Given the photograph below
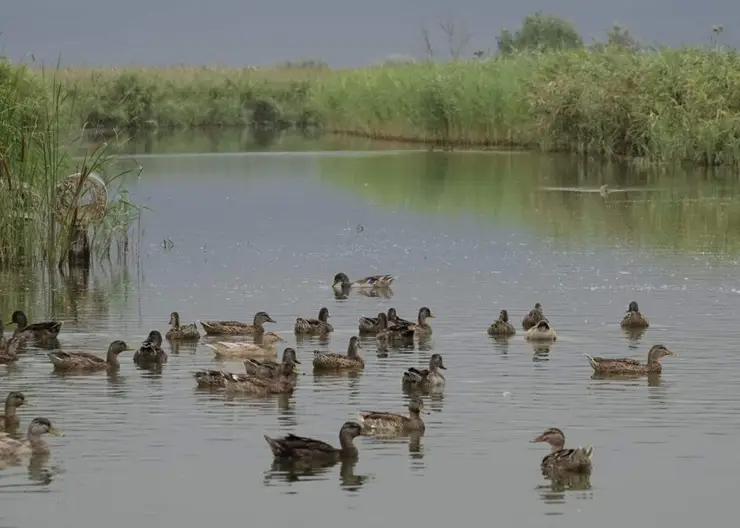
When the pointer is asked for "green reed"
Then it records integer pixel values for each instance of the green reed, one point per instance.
(654, 106)
(36, 136)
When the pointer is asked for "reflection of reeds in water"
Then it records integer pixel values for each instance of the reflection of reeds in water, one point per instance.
(698, 210)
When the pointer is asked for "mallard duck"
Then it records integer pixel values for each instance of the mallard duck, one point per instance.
(268, 368)
(182, 332)
(301, 447)
(372, 325)
(393, 319)
(633, 319)
(150, 352)
(631, 366)
(227, 349)
(541, 332)
(534, 316)
(34, 445)
(502, 327)
(374, 281)
(421, 328)
(284, 384)
(210, 379)
(394, 333)
(40, 331)
(235, 327)
(9, 349)
(329, 361)
(314, 326)
(10, 418)
(425, 378)
(576, 460)
(85, 361)
(374, 422)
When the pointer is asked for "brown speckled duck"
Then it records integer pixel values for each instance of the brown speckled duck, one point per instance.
(236, 327)
(502, 327)
(534, 316)
(376, 422)
(314, 326)
(425, 378)
(9, 349)
(341, 281)
(633, 319)
(283, 384)
(604, 366)
(84, 361)
(181, 332)
(329, 361)
(9, 419)
(421, 328)
(34, 445)
(150, 352)
(576, 460)
(267, 368)
(393, 318)
(300, 447)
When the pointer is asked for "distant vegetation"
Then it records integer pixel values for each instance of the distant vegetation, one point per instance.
(542, 87)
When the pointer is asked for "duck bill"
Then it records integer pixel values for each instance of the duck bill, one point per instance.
(54, 431)
(271, 320)
(669, 352)
(537, 440)
(296, 362)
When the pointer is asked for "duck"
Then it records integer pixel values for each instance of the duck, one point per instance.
(393, 318)
(210, 379)
(421, 328)
(9, 349)
(393, 332)
(150, 352)
(604, 366)
(283, 384)
(34, 445)
(329, 361)
(85, 361)
(268, 368)
(181, 332)
(341, 281)
(633, 319)
(374, 422)
(10, 419)
(46, 330)
(541, 332)
(426, 378)
(236, 327)
(502, 327)
(314, 326)
(293, 447)
(576, 460)
(372, 325)
(534, 316)
(228, 349)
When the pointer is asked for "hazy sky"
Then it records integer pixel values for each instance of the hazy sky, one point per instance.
(342, 32)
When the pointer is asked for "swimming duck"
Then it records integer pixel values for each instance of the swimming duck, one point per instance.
(10, 419)
(373, 281)
(40, 331)
(235, 327)
(300, 447)
(210, 379)
(85, 361)
(314, 326)
(329, 361)
(374, 422)
(421, 328)
(227, 349)
(372, 325)
(393, 332)
(502, 327)
(394, 319)
(576, 460)
(541, 332)
(630, 366)
(150, 352)
(534, 316)
(425, 378)
(268, 368)
(183, 332)
(284, 384)
(9, 349)
(34, 445)
(633, 319)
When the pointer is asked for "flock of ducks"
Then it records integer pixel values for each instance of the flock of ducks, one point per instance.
(265, 375)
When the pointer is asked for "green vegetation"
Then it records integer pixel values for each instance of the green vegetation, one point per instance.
(34, 127)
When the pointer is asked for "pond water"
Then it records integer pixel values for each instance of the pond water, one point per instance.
(234, 228)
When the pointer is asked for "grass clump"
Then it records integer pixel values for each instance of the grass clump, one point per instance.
(34, 163)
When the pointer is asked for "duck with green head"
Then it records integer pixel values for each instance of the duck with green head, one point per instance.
(46, 330)
(236, 327)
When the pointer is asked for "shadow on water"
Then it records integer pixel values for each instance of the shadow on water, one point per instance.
(294, 471)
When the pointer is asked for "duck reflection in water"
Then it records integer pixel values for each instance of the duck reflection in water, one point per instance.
(541, 351)
(290, 471)
(559, 483)
(634, 335)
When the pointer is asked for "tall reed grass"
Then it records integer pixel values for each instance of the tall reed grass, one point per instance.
(36, 132)
(658, 106)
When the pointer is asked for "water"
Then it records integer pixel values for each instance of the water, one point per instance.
(468, 234)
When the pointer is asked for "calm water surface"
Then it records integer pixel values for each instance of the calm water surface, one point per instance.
(468, 234)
